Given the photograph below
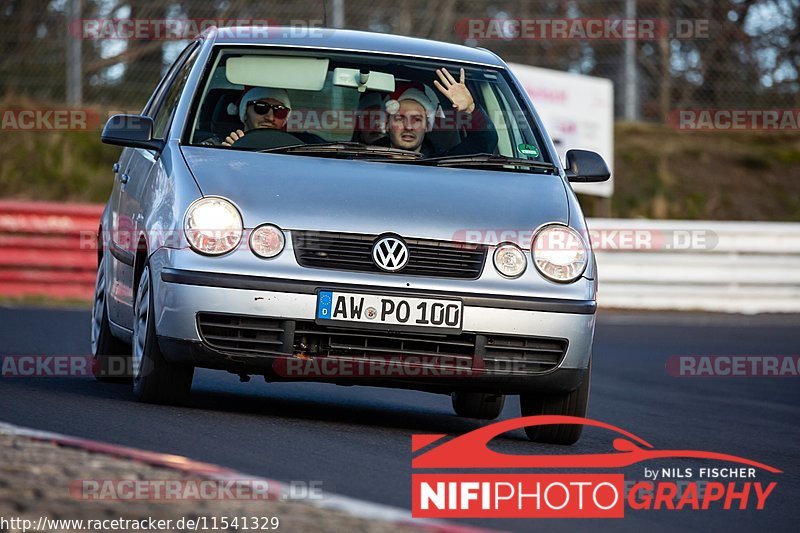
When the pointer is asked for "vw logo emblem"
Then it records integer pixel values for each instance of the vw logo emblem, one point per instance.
(390, 254)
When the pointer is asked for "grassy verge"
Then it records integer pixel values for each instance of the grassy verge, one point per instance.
(663, 173)
(68, 166)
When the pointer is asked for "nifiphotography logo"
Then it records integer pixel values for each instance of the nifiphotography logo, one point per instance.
(445, 494)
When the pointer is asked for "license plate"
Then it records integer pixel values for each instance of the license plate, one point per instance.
(338, 306)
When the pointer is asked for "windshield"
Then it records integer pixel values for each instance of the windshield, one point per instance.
(361, 106)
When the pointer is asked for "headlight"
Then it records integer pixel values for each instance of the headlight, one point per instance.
(559, 253)
(267, 241)
(509, 260)
(213, 226)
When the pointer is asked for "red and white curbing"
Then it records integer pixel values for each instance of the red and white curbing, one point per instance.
(48, 249)
(344, 504)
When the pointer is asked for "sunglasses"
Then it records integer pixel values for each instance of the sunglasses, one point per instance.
(262, 108)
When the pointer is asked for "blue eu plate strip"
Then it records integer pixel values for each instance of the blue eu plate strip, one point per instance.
(324, 301)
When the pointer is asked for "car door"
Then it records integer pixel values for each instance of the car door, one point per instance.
(133, 181)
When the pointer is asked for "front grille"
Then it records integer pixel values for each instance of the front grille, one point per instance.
(348, 251)
(261, 336)
(242, 334)
(508, 354)
(314, 339)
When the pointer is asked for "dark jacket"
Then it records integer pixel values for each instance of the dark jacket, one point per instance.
(479, 135)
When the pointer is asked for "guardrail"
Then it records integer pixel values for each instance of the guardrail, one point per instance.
(739, 267)
(41, 254)
(736, 267)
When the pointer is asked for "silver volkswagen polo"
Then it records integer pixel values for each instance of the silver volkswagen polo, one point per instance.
(348, 208)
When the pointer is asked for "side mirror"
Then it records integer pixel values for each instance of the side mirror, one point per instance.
(134, 131)
(584, 166)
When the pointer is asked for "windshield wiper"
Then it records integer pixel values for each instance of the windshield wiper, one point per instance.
(365, 151)
(488, 161)
(336, 149)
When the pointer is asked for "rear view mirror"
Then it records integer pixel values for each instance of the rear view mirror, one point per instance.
(584, 166)
(134, 131)
(363, 79)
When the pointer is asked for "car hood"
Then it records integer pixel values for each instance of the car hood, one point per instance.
(315, 193)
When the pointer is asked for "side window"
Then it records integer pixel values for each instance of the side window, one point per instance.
(164, 106)
(520, 136)
(505, 128)
(158, 94)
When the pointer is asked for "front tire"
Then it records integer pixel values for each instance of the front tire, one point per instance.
(573, 403)
(155, 379)
(478, 405)
(110, 356)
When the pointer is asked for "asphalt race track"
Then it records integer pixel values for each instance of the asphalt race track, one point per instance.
(356, 440)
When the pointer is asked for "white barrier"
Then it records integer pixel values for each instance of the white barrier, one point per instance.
(736, 267)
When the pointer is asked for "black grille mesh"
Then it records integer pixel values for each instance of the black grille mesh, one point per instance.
(348, 251)
(260, 336)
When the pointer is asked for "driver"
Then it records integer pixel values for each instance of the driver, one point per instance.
(261, 107)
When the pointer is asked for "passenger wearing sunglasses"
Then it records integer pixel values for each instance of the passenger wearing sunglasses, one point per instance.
(261, 107)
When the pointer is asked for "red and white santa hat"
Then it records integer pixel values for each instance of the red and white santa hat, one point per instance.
(417, 92)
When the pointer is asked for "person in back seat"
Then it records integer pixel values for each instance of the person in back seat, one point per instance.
(370, 126)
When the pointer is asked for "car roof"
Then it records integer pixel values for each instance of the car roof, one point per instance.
(351, 40)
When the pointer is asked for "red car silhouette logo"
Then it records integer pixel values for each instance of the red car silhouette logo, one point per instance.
(470, 450)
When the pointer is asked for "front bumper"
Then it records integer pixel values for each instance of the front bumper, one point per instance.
(180, 295)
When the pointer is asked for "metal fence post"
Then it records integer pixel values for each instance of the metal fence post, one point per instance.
(338, 14)
(74, 80)
(631, 105)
